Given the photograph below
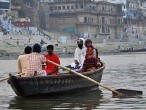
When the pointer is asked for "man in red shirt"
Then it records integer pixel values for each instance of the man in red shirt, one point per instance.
(51, 69)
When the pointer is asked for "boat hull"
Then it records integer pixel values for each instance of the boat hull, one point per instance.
(47, 85)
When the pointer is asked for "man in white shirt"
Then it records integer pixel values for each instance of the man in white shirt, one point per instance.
(23, 60)
(80, 52)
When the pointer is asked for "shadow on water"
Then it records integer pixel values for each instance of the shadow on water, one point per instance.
(85, 100)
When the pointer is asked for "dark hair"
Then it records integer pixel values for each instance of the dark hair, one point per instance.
(88, 41)
(50, 47)
(27, 50)
(36, 48)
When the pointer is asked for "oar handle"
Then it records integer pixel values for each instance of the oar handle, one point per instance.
(86, 77)
(4, 79)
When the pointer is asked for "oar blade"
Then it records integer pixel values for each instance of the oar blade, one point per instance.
(128, 93)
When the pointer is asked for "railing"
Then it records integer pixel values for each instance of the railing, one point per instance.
(85, 10)
(83, 23)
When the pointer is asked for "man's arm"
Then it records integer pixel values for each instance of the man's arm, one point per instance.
(76, 57)
(96, 54)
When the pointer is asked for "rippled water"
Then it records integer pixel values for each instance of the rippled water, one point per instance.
(127, 71)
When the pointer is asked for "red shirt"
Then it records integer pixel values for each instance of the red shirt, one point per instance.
(49, 66)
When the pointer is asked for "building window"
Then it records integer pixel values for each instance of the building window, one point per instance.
(103, 29)
(119, 21)
(51, 8)
(100, 21)
(55, 7)
(67, 7)
(111, 9)
(108, 30)
(103, 9)
(103, 20)
(63, 7)
(72, 7)
(81, 6)
(92, 20)
(85, 19)
(59, 7)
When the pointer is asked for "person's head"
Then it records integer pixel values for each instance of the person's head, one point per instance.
(36, 48)
(27, 50)
(50, 49)
(80, 42)
(88, 43)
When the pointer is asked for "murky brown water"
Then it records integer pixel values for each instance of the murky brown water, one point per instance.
(122, 71)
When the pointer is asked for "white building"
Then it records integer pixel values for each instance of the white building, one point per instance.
(123, 2)
(4, 5)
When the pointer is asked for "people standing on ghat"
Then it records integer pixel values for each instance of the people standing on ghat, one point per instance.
(80, 52)
(51, 69)
(23, 61)
(35, 61)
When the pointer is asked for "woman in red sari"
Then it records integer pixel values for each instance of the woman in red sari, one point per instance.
(91, 62)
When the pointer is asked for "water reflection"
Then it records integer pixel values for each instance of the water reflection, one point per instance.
(68, 101)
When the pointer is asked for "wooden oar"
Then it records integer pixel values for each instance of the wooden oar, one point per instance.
(3, 79)
(119, 92)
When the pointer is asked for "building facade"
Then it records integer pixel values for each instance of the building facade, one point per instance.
(85, 18)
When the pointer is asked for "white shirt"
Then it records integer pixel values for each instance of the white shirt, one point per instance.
(80, 55)
(22, 63)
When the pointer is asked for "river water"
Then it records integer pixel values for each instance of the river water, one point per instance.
(126, 71)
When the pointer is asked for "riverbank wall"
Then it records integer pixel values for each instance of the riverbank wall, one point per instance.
(12, 45)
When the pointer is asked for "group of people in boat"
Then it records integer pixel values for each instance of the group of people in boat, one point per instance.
(33, 62)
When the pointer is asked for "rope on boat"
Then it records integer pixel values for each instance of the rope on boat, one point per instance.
(36, 83)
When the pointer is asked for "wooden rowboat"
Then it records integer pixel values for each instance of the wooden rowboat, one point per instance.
(48, 85)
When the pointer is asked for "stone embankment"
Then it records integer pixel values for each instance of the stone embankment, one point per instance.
(12, 45)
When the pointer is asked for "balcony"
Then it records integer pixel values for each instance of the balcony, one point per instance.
(109, 13)
(70, 11)
(83, 23)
